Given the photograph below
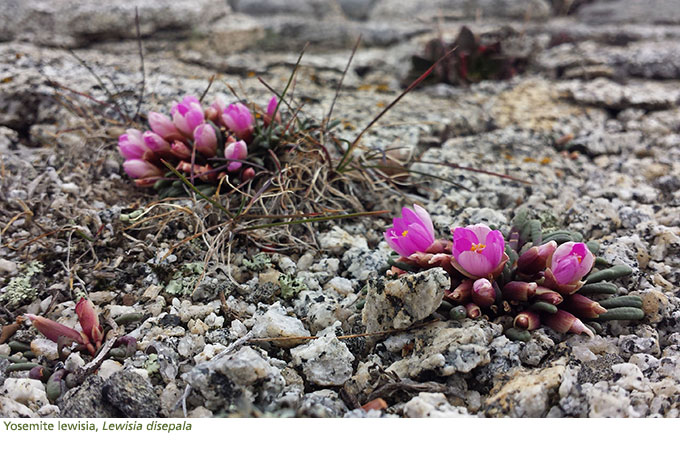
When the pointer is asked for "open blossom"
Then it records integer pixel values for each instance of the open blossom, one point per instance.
(235, 150)
(478, 252)
(187, 115)
(412, 232)
(132, 146)
(238, 120)
(570, 262)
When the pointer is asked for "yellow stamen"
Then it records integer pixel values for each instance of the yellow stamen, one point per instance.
(477, 248)
(579, 259)
(404, 233)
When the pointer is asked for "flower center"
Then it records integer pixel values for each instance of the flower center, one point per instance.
(477, 248)
(404, 233)
(578, 257)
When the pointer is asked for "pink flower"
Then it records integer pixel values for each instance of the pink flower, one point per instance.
(410, 233)
(247, 174)
(478, 252)
(238, 120)
(570, 262)
(163, 126)
(156, 143)
(187, 115)
(235, 150)
(271, 107)
(132, 146)
(483, 293)
(205, 139)
(144, 172)
(180, 150)
(536, 258)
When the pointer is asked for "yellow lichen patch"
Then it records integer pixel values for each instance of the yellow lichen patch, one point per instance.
(527, 393)
(535, 105)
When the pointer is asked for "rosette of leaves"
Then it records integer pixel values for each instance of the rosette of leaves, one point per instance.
(610, 302)
(472, 58)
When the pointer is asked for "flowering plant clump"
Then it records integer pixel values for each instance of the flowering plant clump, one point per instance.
(522, 279)
(204, 143)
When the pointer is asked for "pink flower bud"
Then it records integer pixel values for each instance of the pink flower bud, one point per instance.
(462, 292)
(54, 330)
(247, 174)
(483, 293)
(157, 144)
(212, 114)
(410, 233)
(187, 115)
(163, 126)
(235, 151)
(271, 107)
(543, 294)
(536, 258)
(519, 291)
(478, 251)
(180, 150)
(583, 307)
(139, 168)
(472, 310)
(89, 321)
(132, 146)
(563, 321)
(527, 320)
(238, 120)
(205, 139)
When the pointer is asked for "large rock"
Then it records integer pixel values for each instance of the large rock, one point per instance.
(526, 394)
(64, 22)
(132, 394)
(87, 400)
(626, 12)
(446, 350)
(241, 377)
(398, 304)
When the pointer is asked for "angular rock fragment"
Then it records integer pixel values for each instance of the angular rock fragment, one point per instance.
(325, 361)
(397, 304)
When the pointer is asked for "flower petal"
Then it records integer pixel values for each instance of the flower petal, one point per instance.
(463, 239)
(475, 263)
(481, 231)
(495, 245)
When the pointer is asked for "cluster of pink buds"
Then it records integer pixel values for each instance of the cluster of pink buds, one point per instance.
(207, 143)
(91, 335)
(483, 277)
